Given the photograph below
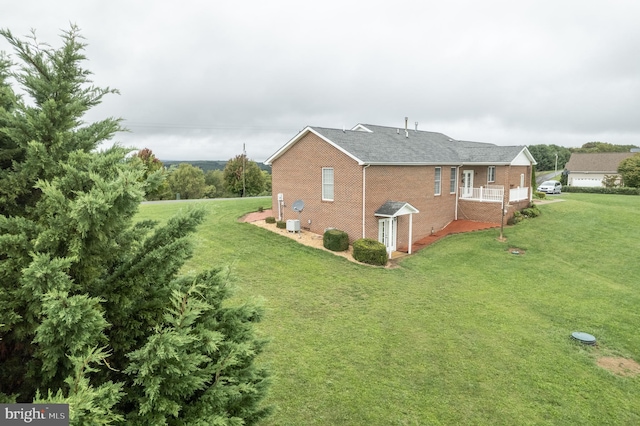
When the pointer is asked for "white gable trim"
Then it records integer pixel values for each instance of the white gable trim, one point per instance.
(524, 158)
(361, 128)
(404, 210)
(299, 136)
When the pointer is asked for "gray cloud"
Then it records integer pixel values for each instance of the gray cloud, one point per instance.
(200, 79)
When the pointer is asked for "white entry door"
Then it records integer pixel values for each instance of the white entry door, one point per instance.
(467, 183)
(387, 230)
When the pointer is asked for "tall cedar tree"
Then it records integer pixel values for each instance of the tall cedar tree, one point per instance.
(93, 312)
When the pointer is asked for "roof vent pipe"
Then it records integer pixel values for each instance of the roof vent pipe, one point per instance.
(416, 127)
(406, 123)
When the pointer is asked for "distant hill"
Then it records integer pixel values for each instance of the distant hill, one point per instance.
(209, 165)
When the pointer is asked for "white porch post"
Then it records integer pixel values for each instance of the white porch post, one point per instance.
(410, 231)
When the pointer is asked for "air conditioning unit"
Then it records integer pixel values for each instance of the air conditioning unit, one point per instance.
(293, 225)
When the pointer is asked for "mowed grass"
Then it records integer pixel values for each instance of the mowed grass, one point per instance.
(462, 332)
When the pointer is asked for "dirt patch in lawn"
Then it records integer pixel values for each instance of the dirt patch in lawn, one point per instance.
(621, 366)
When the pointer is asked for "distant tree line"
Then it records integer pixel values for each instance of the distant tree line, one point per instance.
(545, 155)
(207, 165)
(240, 177)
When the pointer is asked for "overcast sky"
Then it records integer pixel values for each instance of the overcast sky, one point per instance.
(198, 79)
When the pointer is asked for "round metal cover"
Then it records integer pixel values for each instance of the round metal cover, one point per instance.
(585, 338)
(298, 205)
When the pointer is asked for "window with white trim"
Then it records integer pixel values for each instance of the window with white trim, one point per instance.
(327, 183)
(438, 181)
(491, 174)
(453, 180)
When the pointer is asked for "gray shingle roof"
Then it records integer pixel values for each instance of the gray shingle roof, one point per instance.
(390, 208)
(388, 145)
(602, 162)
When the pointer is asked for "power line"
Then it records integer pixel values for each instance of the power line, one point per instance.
(137, 124)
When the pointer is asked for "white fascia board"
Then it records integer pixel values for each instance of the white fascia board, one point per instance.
(410, 164)
(299, 136)
(485, 163)
(339, 148)
(286, 146)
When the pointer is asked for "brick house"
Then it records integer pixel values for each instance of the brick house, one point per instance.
(395, 185)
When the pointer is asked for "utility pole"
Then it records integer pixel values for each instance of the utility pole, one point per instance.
(244, 158)
(556, 173)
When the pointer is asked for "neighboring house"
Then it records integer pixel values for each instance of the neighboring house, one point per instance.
(590, 169)
(396, 185)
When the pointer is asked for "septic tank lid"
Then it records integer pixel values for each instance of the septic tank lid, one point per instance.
(585, 338)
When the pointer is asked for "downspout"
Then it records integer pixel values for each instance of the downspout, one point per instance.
(364, 188)
(457, 191)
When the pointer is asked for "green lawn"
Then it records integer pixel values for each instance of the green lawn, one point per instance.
(462, 332)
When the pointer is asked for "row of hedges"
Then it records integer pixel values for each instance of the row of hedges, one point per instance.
(365, 250)
(602, 190)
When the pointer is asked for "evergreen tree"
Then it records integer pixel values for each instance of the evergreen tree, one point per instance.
(93, 311)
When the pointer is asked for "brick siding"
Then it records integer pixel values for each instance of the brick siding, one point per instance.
(298, 176)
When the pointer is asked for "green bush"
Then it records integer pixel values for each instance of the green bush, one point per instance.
(270, 219)
(335, 240)
(532, 211)
(539, 195)
(281, 224)
(623, 190)
(367, 250)
(515, 219)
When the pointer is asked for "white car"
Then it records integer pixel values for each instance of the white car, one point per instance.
(550, 187)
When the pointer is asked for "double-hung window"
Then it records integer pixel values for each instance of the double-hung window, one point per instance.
(438, 181)
(327, 183)
(491, 174)
(453, 180)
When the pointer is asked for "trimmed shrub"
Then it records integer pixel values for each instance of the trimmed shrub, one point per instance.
(270, 219)
(367, 250)
(539, 195)
(623, 190)
(281, 224)
(260, 209)
(335, 240)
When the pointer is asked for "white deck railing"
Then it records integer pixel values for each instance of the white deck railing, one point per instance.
(518, 194)
(490, 193)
